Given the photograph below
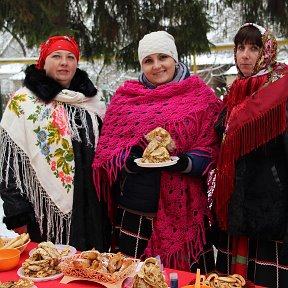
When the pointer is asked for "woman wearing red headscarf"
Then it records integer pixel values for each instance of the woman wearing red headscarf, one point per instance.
(49, 132)
(252, 169)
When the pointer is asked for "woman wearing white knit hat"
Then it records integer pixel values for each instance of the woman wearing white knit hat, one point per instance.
(160, 211)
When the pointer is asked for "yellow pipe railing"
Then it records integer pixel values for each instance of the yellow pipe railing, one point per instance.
(217, 47)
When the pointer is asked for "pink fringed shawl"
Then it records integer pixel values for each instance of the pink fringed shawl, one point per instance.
(188, 111)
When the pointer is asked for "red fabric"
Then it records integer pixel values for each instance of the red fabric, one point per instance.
(267, 54)
(239, 256)
(249, 85)
(188, 111)
(57, 43)
(246, 129)
(184, 278)
(251, 108)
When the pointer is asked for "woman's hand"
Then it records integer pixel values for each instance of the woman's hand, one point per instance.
(130, 165)
(20, 230)
(184, 165)
(171, 146)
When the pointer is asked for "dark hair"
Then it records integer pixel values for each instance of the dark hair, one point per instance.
(248, 35)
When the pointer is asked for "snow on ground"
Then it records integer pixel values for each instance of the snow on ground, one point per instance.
(3, 229)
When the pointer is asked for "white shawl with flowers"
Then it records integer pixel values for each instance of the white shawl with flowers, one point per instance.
(36, 139)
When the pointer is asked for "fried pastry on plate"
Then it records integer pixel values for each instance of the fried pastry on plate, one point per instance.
(157, 150)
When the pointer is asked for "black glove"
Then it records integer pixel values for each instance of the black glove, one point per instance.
(130, 165)
(181, 165)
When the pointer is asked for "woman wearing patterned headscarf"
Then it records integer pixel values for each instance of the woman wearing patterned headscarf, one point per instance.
(252, 169)
(160, 211)
(48, 136)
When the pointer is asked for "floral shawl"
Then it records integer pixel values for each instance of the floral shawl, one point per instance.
(36, 138)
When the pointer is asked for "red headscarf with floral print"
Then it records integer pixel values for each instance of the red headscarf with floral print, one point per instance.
(250, 110)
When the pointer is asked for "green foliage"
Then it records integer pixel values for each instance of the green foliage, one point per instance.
(118, 25)
(34, 20)
(111, 29)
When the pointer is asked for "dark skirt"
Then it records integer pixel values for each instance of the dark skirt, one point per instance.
(267, 261)
(132, 233)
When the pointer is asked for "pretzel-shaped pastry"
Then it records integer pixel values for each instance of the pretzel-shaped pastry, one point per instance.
(215, 281)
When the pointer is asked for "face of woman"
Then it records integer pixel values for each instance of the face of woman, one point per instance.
(159, 68)
(246, 58)
(61, 66)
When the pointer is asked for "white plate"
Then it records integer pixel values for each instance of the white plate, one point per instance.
(60, 247)
(34, 279)
(173, 161)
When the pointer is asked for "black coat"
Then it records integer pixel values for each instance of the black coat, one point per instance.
(140, 191)
(259, 203)
(90, 226)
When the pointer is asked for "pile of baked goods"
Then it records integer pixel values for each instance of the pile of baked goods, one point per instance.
(214, 280)
(160, 142)
(102, 267)
(16, 242)
(22, 283)
(43, 262)
(150, 275)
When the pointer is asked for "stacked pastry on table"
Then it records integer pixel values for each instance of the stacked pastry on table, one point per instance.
(44, 261)
(150, 275)
(92, 265)
(111, 268)
(99, 267)
(22, 283)
(16, 242)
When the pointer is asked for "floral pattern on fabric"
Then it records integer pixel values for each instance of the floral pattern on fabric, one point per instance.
(267, 54)
(52, 136)
(14, 104)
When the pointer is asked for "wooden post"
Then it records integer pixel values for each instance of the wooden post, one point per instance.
(194, 63)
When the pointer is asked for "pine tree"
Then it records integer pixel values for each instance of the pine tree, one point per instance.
(111, 29)
(34, 20)
(269, 13)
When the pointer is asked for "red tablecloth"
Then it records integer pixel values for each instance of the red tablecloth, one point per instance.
(184, 278)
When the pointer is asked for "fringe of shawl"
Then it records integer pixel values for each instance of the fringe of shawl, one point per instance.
(133, 112)
(245, 138)
(79, 114)
(193, 245)
(28, 184)
(183, 258)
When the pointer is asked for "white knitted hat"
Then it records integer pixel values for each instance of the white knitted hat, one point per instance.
(157, 42)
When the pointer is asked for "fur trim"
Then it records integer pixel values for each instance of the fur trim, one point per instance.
(47, 88)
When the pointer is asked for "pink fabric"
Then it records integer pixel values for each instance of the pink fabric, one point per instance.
(188, 111)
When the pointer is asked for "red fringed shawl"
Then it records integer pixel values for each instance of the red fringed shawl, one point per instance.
(251, 122)
(188, 111)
